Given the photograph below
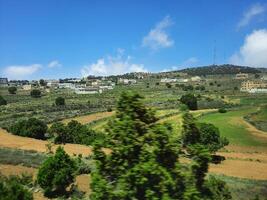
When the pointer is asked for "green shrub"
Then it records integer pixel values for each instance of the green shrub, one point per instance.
(60, 101)
(13, 188)
(222, 110)
(56, 173)
(32, 127)
(2, 101)
(190, 100)
(35, 93)
(12, 90)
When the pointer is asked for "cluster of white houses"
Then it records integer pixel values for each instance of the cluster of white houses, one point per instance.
(78, 86)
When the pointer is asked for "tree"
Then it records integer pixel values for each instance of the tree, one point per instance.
(210, 137)
(73, 132)
(143, 163)
(42, 82)
(144, 160)
(56, 173)
(12, 90)
(59, 132)
(13, 188)
(2, 101)
(190, 131)
(60, 101)
(32, 127)
(190, 100)
(35, 93)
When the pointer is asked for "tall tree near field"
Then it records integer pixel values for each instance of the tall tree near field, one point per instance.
(144, 161)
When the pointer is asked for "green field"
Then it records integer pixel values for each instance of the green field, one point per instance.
(231, 126)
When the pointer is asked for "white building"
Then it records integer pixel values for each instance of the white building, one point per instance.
(127, 81)
(196, 79)
(52, 83)
(168, 80)
(27, 87)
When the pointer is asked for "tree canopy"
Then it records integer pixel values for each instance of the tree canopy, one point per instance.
(12, 90)
(144, 159)
(56, 173)
(190, 100)
(35, 93)
(2, 101)
(32, 127)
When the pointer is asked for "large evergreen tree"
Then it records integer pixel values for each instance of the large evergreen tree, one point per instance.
(144, 159)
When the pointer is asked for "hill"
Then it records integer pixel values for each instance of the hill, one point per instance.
(219, 69)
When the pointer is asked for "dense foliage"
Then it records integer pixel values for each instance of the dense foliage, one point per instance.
(14, 188)
(12, 90)
(35, 93)
(202, 133)
(57, 173)
(144, 163)
(190, 100)
(32, 127)
(2, 101)
(60, 101)
(74, 132)
(219, 69)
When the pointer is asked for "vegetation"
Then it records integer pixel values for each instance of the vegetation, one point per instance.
(60, 101)
(13, 188)
(146, 160)
(56, 173)
(219, 69)
(12, 90)
(190, 100)
(2, 101)
(222, 110)
(35, 93)
(32, 127)
(75, 132)
(26, 158)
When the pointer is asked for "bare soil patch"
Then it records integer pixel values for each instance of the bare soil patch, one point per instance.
(89, 118)
(17, 142)
(241, 169)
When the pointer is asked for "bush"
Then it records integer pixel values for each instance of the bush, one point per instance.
(73, 132)
(12, 90)
(57, 173)
(222, 110)
(32, 127)
(60, 101)
(35, 93)
(190, 100)
(2, 101)
(109, 109)
(13, 188)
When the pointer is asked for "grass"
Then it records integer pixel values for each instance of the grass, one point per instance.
(21, 157)
(231, 126)
(245, 189)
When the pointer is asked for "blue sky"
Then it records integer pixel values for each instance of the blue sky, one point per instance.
(66, 38)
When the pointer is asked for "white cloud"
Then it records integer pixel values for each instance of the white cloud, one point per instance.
(54, 63)
(21, 71)
(158, 37)
(254, 50)
(252, 12)
(110, 65)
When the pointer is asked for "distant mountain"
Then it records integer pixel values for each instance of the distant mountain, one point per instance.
(220, 69)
